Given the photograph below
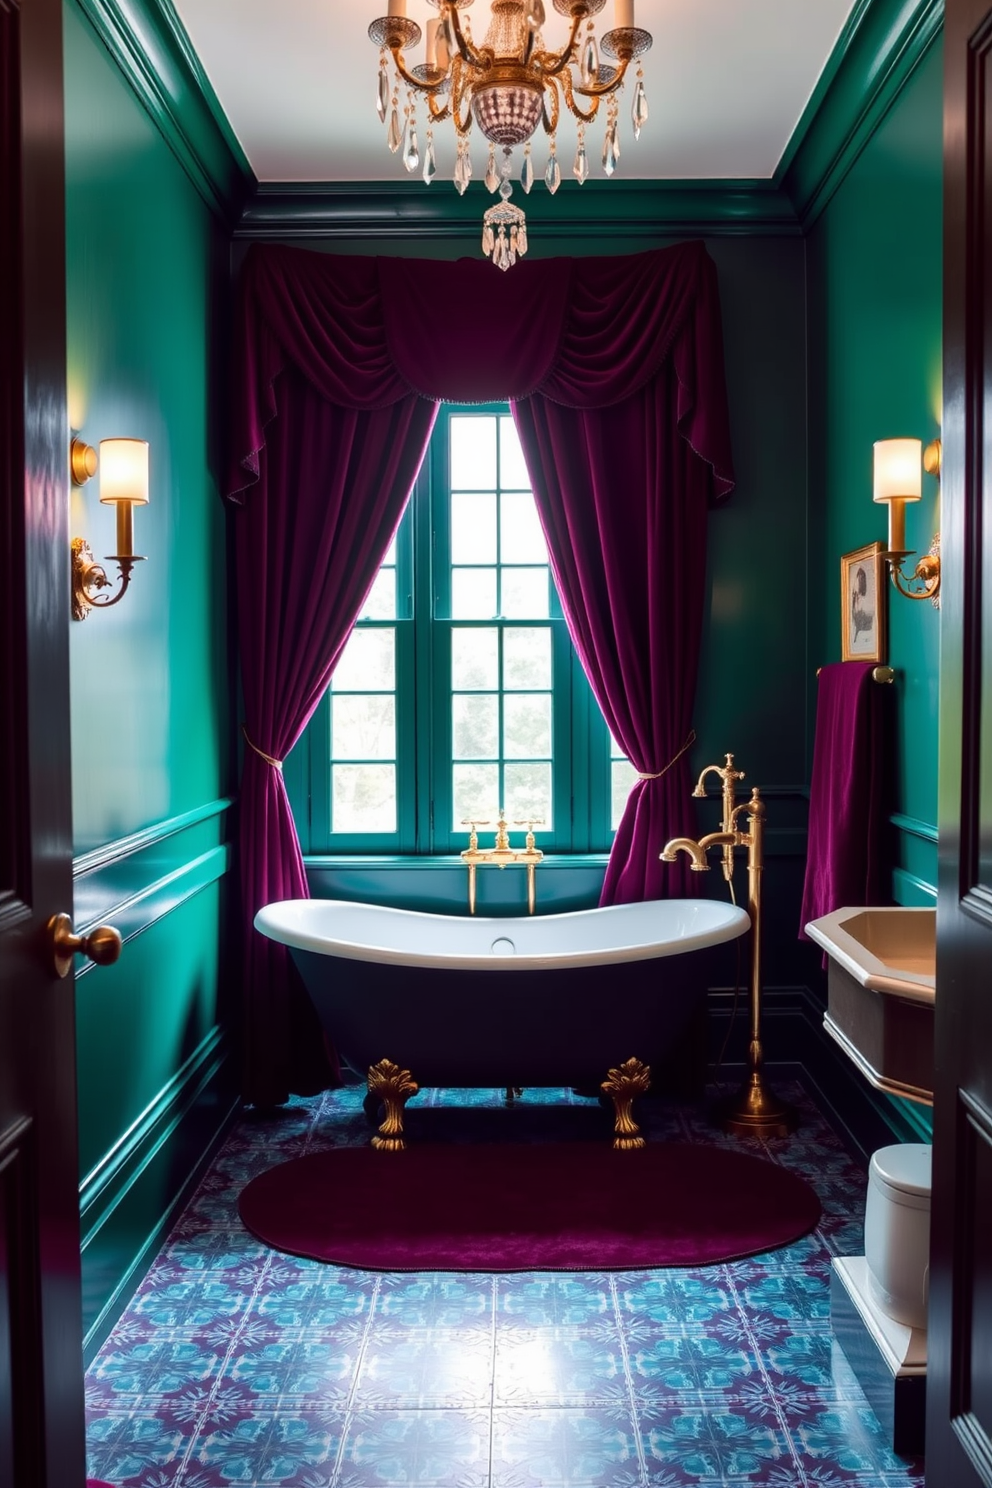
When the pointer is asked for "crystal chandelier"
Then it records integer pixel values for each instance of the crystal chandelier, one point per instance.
(509, 84)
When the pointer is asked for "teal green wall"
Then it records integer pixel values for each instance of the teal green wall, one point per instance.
(150, 678)
(874, 292)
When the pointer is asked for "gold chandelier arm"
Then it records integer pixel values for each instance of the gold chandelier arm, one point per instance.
(478, 57)
(430, 88)
(550, 64)
(599, 90)
(438, 115)
(586, 118)
(551, 123)
(460, 83)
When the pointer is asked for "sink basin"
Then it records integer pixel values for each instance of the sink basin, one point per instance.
(880, 993)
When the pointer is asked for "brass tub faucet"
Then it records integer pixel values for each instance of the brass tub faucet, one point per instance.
(502, 855)
(754, 1111)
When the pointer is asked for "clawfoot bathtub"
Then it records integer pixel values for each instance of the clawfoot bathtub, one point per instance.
(466, 1001)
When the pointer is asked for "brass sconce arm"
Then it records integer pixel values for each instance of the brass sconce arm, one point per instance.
(89, 576)
(926, 574)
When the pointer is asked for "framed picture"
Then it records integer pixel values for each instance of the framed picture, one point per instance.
(863, 595)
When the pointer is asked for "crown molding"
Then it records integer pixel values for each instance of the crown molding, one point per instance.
(879, 49)
(149, 45)
(635, 209)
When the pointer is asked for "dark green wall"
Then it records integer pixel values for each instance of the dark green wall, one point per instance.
(874, 262)
(150, 718)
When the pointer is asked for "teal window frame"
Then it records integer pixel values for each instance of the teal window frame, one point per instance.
(581, 772)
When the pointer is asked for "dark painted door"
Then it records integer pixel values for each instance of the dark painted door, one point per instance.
(959, 1384)
(41, 1395)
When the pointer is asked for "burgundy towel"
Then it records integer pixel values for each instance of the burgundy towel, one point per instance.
(847, 795)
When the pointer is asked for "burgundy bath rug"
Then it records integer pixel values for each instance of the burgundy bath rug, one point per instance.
(570, 1206)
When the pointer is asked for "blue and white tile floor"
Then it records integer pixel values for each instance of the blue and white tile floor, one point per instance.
(236, 1365)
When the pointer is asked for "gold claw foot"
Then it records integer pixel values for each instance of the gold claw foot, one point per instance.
(632, 1078)
(393, 1087)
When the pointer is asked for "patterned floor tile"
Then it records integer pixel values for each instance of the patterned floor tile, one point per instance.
(235, 1365)
(430, 1448)
(719, 1445)
(559, 1367)
(426, 1368)
(583, 1448)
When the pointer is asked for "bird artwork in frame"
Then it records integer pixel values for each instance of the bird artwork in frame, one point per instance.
(862, 597)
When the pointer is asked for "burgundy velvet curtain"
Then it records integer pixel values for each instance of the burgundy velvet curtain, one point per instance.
(614, 368)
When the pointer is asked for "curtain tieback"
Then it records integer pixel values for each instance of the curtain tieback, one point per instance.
(276, 764)
(690, 739)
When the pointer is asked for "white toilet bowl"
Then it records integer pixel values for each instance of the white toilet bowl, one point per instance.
(897, 1231)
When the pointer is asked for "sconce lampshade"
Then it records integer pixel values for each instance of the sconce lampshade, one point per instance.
(124, 470)
(898, 467)
(124, 483)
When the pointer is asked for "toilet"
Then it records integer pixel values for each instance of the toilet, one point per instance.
(897, 1231)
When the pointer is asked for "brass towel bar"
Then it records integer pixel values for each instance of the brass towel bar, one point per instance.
(880, 674)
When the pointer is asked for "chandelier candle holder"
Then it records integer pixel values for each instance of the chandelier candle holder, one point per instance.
(509, 84)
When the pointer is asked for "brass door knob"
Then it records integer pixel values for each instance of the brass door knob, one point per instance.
(102, 945)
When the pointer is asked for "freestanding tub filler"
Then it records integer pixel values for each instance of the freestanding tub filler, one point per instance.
(416, 999)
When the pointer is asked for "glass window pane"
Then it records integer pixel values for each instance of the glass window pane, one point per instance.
(512, 470)
(473, 452)
(475, 726)
(622, 778)
(527, 790)
(363, 798)
(381, 601)
(526, 657)
(475, 793)
(389, 557)
(475, 658)
(524, 593)
(368, 662)
(473, 593)
(527, 725)
(363, 727)
(521, 539)
(473, 528)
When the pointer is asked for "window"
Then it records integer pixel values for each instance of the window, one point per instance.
(459, 692)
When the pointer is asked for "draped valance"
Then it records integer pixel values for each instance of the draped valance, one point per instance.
(584, 333)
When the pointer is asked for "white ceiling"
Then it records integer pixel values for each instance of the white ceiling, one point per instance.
(726, 80)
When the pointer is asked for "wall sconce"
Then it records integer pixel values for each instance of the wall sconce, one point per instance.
(898, 480)
(123, 466)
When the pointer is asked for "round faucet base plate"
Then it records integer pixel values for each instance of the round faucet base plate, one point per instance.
(756, 1112)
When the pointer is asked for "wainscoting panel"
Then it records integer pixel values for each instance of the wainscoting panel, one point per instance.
(157, 1083)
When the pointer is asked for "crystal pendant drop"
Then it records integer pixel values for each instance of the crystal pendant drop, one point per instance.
(610, 149)
(395, 136)
(527, 173)
(492, 174)
(590, 61)
(411, 150)
(382, 96)
(552, 176)
(463, 171)
(430, 163)
(580, 170)
(639, 109)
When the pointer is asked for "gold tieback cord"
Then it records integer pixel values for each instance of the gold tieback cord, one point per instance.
(276, 764)
(690, 739)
